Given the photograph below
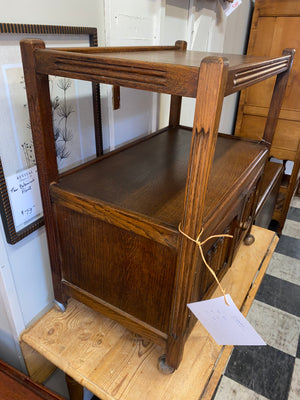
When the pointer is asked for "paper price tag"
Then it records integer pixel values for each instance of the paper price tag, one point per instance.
(226, 324)
(24, 194)
(228, 7)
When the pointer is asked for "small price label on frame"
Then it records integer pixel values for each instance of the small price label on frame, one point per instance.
(24, 195)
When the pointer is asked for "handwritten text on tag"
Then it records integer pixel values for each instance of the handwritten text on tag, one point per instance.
(24, 194)
(226, 324)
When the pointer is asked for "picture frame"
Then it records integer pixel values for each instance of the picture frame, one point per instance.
(76, 112)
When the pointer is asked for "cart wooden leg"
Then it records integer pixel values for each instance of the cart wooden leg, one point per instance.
(75, 389)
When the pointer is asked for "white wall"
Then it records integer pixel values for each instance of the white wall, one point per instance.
(208, 29)
(54, 12)
(11, 318)
(174, 21)
(235, 40)
(9, 349)
(129, 23)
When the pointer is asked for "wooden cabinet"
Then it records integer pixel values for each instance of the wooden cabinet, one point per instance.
(113, 224)
(14, 385)
(275, 25)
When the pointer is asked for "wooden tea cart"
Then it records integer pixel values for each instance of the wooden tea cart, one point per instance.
(114, 224)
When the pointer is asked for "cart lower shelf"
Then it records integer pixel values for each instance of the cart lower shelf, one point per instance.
(148, 177)
(114, 364)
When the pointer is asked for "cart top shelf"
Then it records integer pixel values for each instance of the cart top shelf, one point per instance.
(162, 69)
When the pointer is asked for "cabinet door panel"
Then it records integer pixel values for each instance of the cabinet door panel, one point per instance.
(286, 138)
(270, 37)
(278, 7)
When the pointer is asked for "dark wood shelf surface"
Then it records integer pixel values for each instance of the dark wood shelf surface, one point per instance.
(172, 71)
(149, 178)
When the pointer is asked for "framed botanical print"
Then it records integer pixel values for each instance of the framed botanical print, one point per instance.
(76, 124)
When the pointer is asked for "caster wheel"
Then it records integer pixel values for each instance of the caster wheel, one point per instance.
(59, 306)
(163, 367)
(249, 239)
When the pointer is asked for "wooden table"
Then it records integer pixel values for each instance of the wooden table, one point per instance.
(115, 364)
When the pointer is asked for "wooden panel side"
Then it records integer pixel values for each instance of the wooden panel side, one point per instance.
(285, 139)
(126, 270)
(273, 28)
(108, 360)
(38, 367)
(17, 386)
(292, 115)
(277, 8)
(124, 219)
(280, 33)
(242, 77)
(135, 325)
(161, 78)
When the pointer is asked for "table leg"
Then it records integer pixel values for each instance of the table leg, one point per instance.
(75, 389)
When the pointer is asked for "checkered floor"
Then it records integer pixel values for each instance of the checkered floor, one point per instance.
(273, 371)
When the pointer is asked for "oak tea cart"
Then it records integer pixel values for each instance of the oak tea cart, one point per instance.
(113, 223)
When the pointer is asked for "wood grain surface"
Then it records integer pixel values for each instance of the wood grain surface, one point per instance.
(112, 226)
(117, 365)
(274, 26)
(165, 70)
(14, 385)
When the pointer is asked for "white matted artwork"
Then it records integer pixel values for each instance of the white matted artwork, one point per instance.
(77, 135)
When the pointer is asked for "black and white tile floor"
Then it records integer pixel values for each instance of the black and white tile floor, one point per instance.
(272, 372)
